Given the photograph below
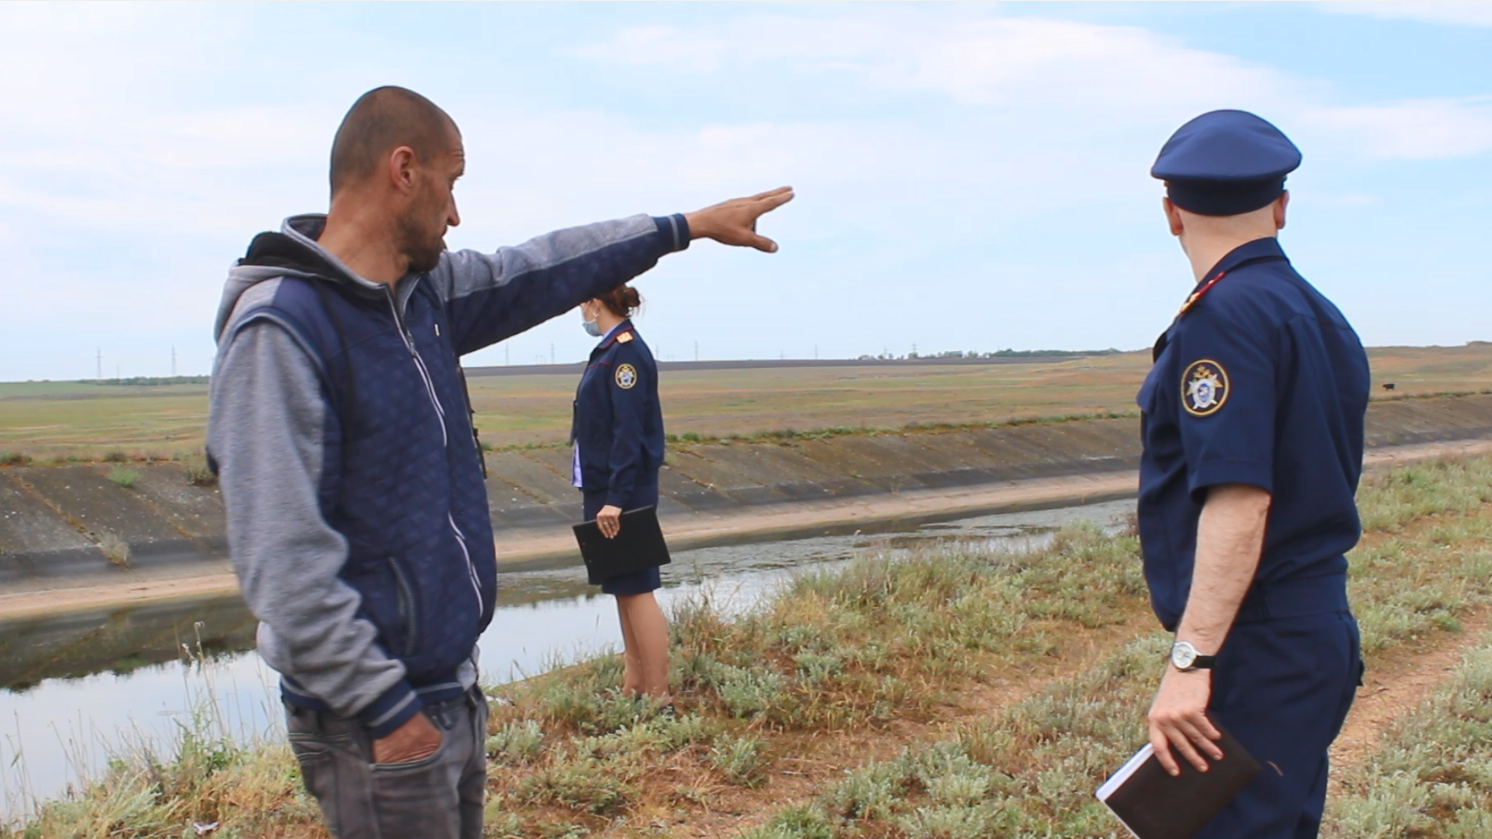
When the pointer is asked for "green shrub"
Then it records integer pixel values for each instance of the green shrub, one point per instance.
(516, 742)
(198, 473)
(124, 478)
(741, 759)
(14, 458)
(794, 823)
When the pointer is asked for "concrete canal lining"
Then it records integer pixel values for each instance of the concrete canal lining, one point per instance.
(59, 524)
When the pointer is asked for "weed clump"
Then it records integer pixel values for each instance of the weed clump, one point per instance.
(740, 759)
(14, 458)
(114, 549)
(198, 474)
(123, 478)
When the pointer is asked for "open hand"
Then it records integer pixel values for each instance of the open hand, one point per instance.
(1178, 718)
(610, 520)
(733, 222)
(416, 738)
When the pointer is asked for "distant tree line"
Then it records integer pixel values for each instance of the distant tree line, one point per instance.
(1006, 353)
(157, 380)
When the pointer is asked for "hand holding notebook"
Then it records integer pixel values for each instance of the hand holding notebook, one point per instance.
(639, 544)
(1153, 804)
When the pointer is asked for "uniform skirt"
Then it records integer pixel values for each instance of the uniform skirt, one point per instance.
(638, 582)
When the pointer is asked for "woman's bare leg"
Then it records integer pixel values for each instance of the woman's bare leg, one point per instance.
(646, 633)
(632, 682)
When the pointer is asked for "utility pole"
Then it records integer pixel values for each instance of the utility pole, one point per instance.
(506, 360)
(100, 363)
(815, 352)
(551, 353)
(173, 361)
(696, 351)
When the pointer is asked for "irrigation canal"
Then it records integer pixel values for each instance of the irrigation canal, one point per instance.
(76, 689)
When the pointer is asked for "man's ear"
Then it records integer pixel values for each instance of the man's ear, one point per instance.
(1279, 209)
(402, 164)
(1173, 216)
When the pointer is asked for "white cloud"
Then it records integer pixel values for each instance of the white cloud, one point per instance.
(1456, 13)
(1421, 129)
(971, 59)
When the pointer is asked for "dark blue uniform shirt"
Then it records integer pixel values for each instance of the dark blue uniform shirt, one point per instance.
(1261, 382)
(618, 422)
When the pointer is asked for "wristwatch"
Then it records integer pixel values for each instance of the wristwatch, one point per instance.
(1186, 658)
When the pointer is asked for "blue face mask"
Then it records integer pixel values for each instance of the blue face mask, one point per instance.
(592, 328)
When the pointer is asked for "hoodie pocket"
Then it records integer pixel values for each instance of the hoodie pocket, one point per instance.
(409, 617)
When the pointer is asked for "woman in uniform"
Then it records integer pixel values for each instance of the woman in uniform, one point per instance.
(618, 437)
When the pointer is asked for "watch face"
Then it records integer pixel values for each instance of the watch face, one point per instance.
(1183, 655)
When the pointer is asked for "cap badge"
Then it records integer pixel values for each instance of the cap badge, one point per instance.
(626, 376)
(1204, 388)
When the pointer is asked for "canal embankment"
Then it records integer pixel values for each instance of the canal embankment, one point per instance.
(85, 535)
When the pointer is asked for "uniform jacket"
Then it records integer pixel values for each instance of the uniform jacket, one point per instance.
(357, 512)
(618, 421)
(1262, 382)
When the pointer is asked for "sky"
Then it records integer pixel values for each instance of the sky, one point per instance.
(969, 177)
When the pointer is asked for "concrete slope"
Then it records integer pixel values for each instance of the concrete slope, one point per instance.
(65, 522)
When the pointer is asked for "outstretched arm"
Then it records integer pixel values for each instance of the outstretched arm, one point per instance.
(495, 296)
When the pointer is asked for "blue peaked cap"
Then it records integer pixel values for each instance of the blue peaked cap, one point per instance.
(1224, 163)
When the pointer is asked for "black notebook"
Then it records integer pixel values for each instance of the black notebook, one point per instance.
(639, 545)
(1153, 804)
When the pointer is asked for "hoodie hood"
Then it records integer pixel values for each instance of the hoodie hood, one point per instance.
(292, 252)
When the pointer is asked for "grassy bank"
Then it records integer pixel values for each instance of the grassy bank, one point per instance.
(1432, 776)
(870, 683)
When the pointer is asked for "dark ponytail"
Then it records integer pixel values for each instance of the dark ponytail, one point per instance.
(622, 301)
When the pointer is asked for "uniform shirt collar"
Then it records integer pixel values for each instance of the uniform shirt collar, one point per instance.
(611, 335)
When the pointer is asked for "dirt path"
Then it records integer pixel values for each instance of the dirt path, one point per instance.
(808, 763)
(1396, 683)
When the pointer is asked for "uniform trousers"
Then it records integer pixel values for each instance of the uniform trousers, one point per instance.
(1282, 686)
(435, 797)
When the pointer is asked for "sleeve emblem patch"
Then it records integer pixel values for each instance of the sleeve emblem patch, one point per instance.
(626, 376)
(1204, 388)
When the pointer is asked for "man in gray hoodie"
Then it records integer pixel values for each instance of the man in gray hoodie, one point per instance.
(340, 430)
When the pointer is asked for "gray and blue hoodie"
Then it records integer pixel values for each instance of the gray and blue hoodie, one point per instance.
(339, 426)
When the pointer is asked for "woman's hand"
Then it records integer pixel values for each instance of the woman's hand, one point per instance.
(610, 520)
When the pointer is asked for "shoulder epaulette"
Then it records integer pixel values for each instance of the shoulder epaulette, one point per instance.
(624, 337)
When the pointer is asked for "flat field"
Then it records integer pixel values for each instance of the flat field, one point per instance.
(45, 420)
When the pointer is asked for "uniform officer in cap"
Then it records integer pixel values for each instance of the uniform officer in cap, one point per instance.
(1253, 445)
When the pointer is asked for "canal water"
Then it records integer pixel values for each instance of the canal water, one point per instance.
(76, 690)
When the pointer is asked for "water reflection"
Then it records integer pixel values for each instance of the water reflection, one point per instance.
(74, 688)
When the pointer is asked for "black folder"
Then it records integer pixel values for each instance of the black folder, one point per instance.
(1154, 804)
(638, 546)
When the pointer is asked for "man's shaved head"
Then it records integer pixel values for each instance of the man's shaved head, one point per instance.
(380, 121)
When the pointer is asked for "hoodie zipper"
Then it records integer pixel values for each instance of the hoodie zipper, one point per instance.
(445, 442)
